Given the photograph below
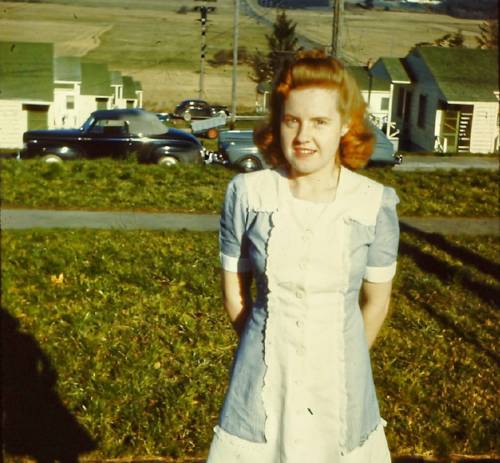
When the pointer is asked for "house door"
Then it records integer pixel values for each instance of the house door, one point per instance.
(449, 129)
(38, 116)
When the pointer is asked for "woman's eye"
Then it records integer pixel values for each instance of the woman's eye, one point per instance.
(290, 121)
(321, 122)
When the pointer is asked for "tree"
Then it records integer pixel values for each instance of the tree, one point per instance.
(451, 40)
(282, 44)
(488, 36)
(369, 4)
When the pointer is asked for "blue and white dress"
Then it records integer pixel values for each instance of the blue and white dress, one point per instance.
(301, 386)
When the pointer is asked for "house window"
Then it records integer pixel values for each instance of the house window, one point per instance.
(384, 104)
(401, 101)
(422, 110)
(70, 101)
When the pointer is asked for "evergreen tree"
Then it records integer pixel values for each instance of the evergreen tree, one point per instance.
(488, 37)
(282, 45)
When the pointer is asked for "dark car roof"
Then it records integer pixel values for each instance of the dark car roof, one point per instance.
(192, 101)
(118, 113)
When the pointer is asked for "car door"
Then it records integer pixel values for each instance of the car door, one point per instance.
(108, 138)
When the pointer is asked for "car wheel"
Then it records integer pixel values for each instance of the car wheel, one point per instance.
(249, 164)
(167, 161)
(52, 159)
(186, 116)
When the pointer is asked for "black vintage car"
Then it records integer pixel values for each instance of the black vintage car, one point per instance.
(197, 109)
(116, 133)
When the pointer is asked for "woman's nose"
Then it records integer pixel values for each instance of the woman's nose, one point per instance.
(302, 133)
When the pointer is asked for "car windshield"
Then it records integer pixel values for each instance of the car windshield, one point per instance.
(145, 124)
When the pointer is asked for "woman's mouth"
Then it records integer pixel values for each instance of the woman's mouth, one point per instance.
(303, 152)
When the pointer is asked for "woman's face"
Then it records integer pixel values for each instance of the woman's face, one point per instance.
(311, 127)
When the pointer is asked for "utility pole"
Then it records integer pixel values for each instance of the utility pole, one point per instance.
(338, 12)
(235, 59)
(203, 21)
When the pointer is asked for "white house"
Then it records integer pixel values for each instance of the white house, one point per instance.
(393, 71)
(454, 100)
(26, 90)
(67, 96)
(96, 91)
(117, 86)
(376, 93)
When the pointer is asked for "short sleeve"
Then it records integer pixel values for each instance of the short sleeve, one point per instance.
(232, 231)
(382, 252)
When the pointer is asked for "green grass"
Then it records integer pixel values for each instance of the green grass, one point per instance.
(105, 184)
(135, 331)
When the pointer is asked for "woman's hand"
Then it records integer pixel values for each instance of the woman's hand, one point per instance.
(375, 299)
(236, 297)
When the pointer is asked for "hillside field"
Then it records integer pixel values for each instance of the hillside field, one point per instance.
(153, 42)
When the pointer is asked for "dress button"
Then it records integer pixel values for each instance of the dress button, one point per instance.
(299, 294)
(302, 265)
(300, 351)
(307, 234)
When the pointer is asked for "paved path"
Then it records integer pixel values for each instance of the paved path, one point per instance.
(19, 219)
(413, 163)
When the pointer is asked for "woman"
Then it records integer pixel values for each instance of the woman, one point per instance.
(314, 236)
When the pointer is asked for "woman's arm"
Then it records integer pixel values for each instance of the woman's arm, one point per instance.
(375, 299)
(236, 297)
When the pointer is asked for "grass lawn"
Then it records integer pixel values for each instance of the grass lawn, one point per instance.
(138, 347)
(105, 184)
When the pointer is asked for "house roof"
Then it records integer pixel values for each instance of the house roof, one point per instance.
(129, 88)
(396, 70)
(116, 77)
(96, 79)
(366, 81)
(463, 74)
(67, 68)
(26, 71)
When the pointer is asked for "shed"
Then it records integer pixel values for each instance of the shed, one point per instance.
(67, 84)
(117, 86)
(96, 88)
(393, 71)
(375, 91)
(26, 90)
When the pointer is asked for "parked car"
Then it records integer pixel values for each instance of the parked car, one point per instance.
(197, 109)
(237, 148)
(115, 133)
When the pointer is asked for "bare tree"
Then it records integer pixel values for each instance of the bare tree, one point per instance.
(488, 36)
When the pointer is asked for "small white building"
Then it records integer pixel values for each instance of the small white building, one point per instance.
(67, 97)
(26, 90)
(96, 90)
(454, 100)
(376, 92)
(393, 71)
(117, 86)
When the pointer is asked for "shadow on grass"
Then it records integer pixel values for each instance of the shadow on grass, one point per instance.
(459, 252)
(35, 421)
(447, 272)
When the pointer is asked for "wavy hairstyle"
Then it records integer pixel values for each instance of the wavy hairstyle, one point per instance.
(314, 68)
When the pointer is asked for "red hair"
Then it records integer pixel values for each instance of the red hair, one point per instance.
(314, 68)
